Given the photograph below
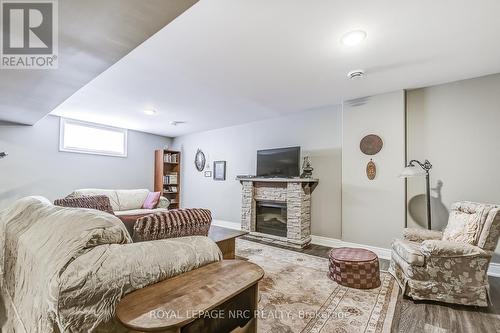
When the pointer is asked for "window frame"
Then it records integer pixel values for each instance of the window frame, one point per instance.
(62, 128)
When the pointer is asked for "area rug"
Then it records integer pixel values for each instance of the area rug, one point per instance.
(297, 296)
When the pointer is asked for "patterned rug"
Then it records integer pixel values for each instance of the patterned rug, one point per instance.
(297, 296)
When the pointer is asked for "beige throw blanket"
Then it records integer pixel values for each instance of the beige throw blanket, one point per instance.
(65, 269)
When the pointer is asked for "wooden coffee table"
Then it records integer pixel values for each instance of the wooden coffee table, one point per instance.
(225, 239)
(219, 297)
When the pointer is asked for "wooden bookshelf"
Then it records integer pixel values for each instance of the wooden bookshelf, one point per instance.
(168, 175)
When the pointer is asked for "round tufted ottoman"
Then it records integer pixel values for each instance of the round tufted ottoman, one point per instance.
(355, 268)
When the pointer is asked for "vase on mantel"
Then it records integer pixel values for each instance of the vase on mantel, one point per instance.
(307, 169)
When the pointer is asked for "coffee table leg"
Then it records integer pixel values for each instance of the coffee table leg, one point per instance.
(228, 248)
(251, 325)
(253, 322)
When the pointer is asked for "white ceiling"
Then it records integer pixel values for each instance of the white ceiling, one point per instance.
(226, 62)
(111, 29)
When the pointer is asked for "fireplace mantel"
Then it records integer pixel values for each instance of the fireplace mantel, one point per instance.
(295, 192)
(311, 183)
(278, 180)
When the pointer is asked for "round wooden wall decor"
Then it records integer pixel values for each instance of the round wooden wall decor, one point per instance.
(371, 144)
(371, 170)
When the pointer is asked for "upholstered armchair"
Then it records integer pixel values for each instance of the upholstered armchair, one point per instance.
(449, 266)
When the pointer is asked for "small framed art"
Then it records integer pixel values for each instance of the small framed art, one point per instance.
(220, 170)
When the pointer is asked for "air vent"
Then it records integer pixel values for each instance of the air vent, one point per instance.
(356, 74)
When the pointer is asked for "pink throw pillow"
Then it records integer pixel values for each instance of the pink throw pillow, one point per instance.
(151, 200)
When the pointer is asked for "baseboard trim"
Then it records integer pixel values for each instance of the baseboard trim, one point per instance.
(333, 242)
(227, 224)
(494, 269)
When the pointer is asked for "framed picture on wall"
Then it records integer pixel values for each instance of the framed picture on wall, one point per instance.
(220, 170)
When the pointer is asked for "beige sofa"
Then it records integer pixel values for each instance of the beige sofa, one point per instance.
(125, 202)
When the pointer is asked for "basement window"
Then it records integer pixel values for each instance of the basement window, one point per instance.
(88, 138)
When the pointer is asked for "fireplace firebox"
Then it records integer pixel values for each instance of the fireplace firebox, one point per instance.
(271, 218)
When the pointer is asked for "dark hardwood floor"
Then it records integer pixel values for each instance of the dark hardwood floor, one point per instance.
(432, 317)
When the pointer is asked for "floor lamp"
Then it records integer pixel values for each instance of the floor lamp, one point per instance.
(411, 170)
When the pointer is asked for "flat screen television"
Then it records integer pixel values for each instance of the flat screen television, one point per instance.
(278, 163)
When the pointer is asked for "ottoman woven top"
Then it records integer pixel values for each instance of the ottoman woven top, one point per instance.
(352, 254)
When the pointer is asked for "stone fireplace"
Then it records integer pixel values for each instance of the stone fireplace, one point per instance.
(278, 209)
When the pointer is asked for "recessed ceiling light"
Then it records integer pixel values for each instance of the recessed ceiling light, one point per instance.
(356, 74)
(353, 38)
(150, 112)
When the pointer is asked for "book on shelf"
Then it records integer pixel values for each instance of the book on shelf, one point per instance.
(170, 179)
(171, 158)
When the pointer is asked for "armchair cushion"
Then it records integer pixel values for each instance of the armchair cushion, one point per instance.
(465, 222)
(442, 248)
(419, 235)
(409, 251)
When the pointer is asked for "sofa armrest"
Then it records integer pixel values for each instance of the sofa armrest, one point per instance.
(420, 235)
(440, 248)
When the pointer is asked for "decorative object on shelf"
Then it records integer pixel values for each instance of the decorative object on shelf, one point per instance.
(371, 144)
(371, 170)
(411, 170)
(220, 170)
(3, 154)
(199, 160)
(307, 169)
(208, 173)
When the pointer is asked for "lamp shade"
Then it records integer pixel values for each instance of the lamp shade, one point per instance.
(412, 171)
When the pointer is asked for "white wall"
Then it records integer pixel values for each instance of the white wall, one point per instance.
(456, 127)
(36, 167)
(373, 211)
(318, 132)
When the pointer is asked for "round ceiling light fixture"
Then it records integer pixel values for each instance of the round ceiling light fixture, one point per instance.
(150, 112)
(356, 74)
(353, 38)
(176, 122)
